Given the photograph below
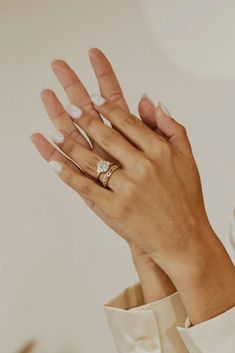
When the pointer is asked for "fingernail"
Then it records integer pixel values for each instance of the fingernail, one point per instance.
(144, 95)
(56, 136)
(164, 109)
(55, 166)
(97, 99)
(148, 98)
(32, 137)
(73, 111)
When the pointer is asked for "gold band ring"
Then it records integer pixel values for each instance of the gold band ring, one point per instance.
(108, 174)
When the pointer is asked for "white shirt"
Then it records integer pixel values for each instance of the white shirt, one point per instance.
(163, 326)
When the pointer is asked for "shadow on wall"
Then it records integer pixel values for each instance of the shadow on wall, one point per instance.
(28, 347)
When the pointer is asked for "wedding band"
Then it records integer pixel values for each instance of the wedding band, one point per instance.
(102, 167)
(108, 174)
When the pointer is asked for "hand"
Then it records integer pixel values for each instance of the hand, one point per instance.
(157, 178)
(155, 283)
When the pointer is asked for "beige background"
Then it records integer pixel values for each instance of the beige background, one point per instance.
(58, 262)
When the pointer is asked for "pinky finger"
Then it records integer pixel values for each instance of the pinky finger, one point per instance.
(72, 176)
(49, 152)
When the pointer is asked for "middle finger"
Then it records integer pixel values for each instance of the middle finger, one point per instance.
(76, 93)
(109, 139)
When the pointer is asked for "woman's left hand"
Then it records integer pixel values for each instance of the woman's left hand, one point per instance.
(155, 198)
(155, 194)
(155, 283)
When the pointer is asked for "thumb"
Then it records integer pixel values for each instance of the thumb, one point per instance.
(146, 111)
(147, 114)
(160, 120)
(174, 131)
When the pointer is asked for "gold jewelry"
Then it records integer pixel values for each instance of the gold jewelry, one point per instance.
(102, 167)
(108, 174)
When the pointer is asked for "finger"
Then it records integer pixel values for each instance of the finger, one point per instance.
(132, 127)
(74, 89)
(60, 118)
(109, 139)
(87, 160)
(164, 123)
(146, 110)
(97, 195)
(72, 176)
(49, 152)
(175, 132)
(76, 92)
(107, 80)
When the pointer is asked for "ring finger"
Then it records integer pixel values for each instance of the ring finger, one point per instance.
(84, 158)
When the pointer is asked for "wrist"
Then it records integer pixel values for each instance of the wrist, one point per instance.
(205, 280)
(155, 284)
(187, 250)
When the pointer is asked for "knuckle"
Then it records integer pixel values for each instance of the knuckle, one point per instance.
(182, 129)
(163, 150)
(144, 168)
(91, 164)
(115, 97)
(128, 189)
(73, 134)
(69, 179)
(109, 137)
(86, 189)
(113, 109)
(130, 120)
(70, 147)
(87, 121)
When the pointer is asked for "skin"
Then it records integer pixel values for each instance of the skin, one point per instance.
(154, 282)
(159, 177)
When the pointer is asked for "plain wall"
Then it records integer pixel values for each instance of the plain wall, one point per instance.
(59, 263)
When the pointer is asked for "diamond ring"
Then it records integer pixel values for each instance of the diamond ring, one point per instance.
(102, 167)
(105, 168)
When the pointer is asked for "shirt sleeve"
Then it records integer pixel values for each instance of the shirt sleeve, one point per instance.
(213, 336)
(138, 328)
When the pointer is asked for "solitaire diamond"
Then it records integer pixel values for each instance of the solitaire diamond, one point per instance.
(102, 166)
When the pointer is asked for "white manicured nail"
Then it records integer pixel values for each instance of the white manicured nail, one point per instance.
(148, 98)
(97, 99)
(56, 136)
(73, 111)
(55, 166)
(164, 109)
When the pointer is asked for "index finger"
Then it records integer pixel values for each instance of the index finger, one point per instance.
(107, 80)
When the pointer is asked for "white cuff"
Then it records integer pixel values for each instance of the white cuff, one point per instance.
(212, 336)
(143, 328)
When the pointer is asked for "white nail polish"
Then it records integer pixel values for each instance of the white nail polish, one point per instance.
(56, 136)
(73, 111)
(164, 109)
(145, 96)
(55, 166)
(97, 99)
